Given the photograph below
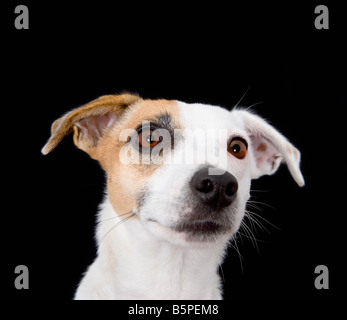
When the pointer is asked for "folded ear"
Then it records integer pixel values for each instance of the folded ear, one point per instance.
(89, 122)
(270, 148)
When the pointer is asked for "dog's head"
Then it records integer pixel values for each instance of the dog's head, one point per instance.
(183, 170)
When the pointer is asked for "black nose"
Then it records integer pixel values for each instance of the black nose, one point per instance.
(215, 191)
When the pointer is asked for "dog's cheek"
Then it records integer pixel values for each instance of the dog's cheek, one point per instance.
(125, 181)
(124, 185)
(152, 204)
(120, 196)
(161, 199)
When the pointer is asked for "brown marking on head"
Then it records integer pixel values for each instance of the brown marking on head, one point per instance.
(125, 182)
(262, 147)
(97, 127)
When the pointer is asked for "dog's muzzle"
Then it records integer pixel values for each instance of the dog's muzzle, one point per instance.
(214, 191)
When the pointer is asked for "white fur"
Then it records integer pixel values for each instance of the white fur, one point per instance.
(133, 264)
(143, 258)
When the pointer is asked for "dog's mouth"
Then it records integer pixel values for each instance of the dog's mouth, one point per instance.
(198, 230)
(201, 228)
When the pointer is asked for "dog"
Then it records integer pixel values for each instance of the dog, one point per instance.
(165, 222)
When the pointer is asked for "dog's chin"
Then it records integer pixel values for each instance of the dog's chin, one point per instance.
(191, 234)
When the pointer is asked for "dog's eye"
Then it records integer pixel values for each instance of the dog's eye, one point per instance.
(149, 138)
(238, 148)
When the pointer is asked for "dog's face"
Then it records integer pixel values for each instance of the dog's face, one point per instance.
(183, 170)
(188, 198)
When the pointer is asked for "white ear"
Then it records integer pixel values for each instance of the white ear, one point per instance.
(269, 148)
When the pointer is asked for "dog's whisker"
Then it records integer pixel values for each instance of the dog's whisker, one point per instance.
(255, 190)
(248, 237)
(238, 102)
(257, 223)
(250, 234)
(262, 203)
(250, 204)
(236, 248)
(246, 229)
(253, 105)
(222, 273)
(254, 221)
(241, 228)
(116, 225)
(117, 216)
(255, 215)
(253, 231)
(251, 221)
(249, 230)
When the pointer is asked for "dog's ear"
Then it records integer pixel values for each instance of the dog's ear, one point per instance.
(270, 148)
(89, 122)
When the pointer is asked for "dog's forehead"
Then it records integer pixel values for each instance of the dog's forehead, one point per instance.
(204, 116)
(147, 110)
(184, 115)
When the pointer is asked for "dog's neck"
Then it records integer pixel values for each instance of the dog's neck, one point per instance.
(142, 266)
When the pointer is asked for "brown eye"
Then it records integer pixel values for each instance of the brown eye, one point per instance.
(149, 138)
(238, 148)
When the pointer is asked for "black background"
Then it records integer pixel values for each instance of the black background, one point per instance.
(208, 53)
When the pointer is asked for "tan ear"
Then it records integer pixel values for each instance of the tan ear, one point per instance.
(89, 122)
(270, 148)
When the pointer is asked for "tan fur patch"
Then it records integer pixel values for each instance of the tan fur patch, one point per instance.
(125, 182)
(262, 147)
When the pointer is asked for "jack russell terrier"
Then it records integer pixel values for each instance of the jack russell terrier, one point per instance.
(178, 180)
